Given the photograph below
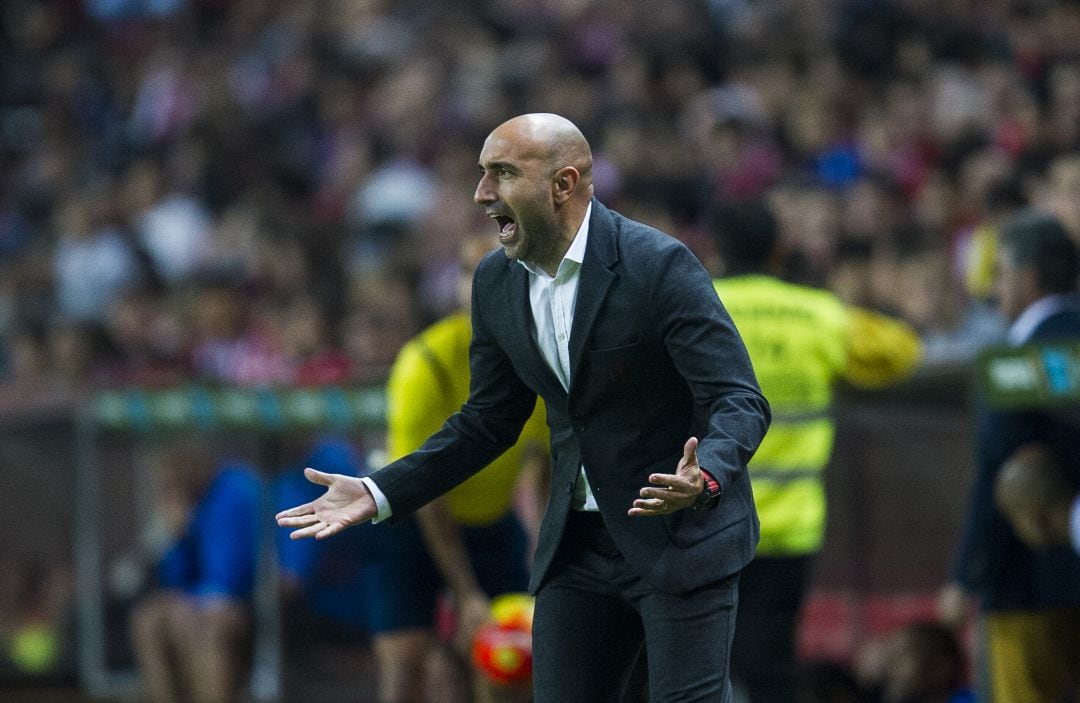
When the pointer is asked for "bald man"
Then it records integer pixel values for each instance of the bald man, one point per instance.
(654, 412)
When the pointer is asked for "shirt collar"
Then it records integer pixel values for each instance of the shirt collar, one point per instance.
(576, 252)
(1037, 313)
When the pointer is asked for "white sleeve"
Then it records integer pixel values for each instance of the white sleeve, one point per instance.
(380, 500)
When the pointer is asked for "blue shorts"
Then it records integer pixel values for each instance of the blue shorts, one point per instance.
(401, 583)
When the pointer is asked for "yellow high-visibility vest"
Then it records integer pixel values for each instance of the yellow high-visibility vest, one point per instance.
(801, 340)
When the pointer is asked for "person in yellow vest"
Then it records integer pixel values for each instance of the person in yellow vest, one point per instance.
(477, 537)
(801, 340)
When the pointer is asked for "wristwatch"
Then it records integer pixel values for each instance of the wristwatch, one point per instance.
(710, 493)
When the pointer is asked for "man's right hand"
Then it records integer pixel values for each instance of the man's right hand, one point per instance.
(347, 502)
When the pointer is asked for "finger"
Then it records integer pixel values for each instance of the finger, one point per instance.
(305, 509)
(331, 530)
(689, 453)
(298, 521)
(663, 480)
(651, 505)
(659, 493)
(316, 476)
(310, 531)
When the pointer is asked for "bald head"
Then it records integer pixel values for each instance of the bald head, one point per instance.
(554, 139)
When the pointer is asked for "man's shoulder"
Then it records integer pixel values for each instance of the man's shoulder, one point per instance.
(636, 230)
(632, 242)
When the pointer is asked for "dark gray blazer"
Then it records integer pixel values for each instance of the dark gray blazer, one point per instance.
(655, 359)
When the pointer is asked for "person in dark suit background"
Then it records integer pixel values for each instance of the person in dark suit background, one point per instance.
(654, 412)
(1030, 598)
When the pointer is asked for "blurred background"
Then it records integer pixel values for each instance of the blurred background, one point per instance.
(223, 219)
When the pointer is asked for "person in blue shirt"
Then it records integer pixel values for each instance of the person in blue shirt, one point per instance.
(322, 584)
(191, 632)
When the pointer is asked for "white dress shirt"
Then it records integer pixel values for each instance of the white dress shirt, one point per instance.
(552, 299)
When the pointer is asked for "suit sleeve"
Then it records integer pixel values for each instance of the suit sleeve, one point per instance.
(487, 425)
(709, 353)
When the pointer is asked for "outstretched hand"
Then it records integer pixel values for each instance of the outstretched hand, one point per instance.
(347, 501)
(667, 493)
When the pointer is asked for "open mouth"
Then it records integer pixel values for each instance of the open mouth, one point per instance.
(507, 227)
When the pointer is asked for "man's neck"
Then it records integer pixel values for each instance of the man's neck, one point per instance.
(572, 224)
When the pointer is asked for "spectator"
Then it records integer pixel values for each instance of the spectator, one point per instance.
(380, 320)
(94, 264)
(192, 633)
(146, 342)
(173, 228)
(226, 346)
(325, 586)
(314, 356)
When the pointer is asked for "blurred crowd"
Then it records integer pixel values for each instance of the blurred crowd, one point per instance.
(274, 191)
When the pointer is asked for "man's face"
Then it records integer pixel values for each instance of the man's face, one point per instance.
(515, 190)
(1013, 284)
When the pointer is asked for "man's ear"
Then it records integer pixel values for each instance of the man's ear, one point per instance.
(564, 183)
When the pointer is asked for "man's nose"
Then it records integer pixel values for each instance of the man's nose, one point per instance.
(484, 193)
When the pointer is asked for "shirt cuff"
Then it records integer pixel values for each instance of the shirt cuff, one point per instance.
(380, 500)
(1074, 523)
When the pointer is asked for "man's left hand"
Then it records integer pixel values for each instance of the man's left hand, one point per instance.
(667, 493)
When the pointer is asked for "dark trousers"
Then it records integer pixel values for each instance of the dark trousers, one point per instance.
(593, 615)
(771, 595)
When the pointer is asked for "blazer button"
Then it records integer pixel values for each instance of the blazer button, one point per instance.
(579, 427)
(570, 488)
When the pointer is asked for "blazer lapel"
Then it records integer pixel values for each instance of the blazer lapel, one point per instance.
(596, 277)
